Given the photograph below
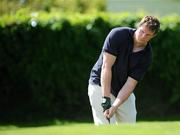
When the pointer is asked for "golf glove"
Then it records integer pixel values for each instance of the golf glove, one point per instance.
(106, 103)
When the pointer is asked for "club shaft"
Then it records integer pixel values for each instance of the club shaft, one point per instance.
(108, 120)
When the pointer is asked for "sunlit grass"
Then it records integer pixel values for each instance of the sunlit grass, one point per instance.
(141, 128)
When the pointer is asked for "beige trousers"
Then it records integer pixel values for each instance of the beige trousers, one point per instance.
(125, 113)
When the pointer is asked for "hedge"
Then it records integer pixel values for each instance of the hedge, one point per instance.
(46, 60)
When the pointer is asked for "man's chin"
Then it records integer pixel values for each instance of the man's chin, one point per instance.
(142, 42)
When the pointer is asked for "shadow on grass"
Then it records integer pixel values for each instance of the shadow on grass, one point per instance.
(43, 121)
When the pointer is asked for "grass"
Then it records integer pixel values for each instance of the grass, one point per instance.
(141, 128)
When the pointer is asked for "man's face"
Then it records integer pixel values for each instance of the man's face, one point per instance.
(143, 34)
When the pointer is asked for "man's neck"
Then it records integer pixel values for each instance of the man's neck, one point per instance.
(138, 47)
(137, 44)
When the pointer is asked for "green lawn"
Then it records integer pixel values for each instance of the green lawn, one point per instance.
(141, 128)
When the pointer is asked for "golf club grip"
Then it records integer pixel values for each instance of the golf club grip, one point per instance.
(108, 120)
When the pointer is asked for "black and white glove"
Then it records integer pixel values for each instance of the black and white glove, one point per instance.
(106, 103)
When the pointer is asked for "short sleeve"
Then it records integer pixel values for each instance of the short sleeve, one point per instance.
(141, 68)
(112, 42)
(138, 74)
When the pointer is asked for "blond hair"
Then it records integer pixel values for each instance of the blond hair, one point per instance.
(151, 22)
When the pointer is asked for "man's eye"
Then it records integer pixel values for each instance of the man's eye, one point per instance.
(142, 31)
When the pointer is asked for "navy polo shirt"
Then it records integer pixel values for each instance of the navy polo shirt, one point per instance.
(119, 43)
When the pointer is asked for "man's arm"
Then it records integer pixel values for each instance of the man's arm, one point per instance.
(106, 73)
(123, 95)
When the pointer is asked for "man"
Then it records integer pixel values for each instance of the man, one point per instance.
(125, 57)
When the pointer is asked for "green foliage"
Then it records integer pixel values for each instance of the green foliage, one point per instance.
(46, 60)
(81, 6)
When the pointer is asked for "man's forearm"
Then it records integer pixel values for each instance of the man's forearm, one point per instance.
(106, 75)
(125, 92)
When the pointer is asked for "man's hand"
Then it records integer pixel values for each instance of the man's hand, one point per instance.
(106, 103)
(110, 112)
